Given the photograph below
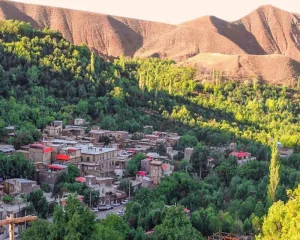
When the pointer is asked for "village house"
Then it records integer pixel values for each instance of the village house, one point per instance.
(188, 153)
(54, 130)
(122, 159)
(69, 155)
(40, 153)
(74, 130)
(112, 135)
(156, 171)
(20, 186)
(64, 142)
(4, 148)
(242, 157)
(97, 161)
(283, 151)
(98, 134)
(52, 174)
(80, 122)
(171, 152)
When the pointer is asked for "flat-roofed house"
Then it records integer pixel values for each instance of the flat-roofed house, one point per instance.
(54, 130)
(53, 174)
(242, 157)
(97, 161)
(69, 155)
(40, 153)
(20, 186)
(156, 171)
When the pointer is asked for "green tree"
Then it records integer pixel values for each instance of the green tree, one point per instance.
(187, 141)
(274, 173)
(71, 174)
(176, 225)
(134, 164)
(38, 230)
(39, 203)
(112, 227)
(282, 221)
(199, 159)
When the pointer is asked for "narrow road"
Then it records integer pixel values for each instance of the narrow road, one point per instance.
(103, 214)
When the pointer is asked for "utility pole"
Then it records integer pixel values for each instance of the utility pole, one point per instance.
(90, 199)
(129, 189)
(11, 221)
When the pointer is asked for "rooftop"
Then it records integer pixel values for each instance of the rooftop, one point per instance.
(7, 148)
(158, 163)
(240, 154)
(90, 149)
(20, 180)
(62, 141)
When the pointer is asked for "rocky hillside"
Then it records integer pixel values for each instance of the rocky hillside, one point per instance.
(271, 34)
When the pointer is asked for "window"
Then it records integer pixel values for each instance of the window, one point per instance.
(88, 159)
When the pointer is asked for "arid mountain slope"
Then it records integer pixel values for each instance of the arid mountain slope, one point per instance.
(252, 40)
(275, 68)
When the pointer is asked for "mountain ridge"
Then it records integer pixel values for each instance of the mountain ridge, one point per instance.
(265, 31)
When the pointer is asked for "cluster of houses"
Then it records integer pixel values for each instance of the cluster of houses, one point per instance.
(100, 155)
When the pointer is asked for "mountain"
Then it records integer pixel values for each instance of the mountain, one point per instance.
(265, 38)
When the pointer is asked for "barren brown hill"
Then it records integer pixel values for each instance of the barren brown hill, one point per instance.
(250, 46)
(275, 68)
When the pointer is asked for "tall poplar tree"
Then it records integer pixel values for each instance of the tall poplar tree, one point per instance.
(274, 173)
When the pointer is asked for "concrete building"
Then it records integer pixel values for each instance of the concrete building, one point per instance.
(20, 186)
(95, 159)
(242, 157)
(233, 147)
(73, 130)
(188, 153)
(54, 130)
(122, 159)
(53, 174)
(79, 121)
(113, 135)
(40, 153)
(69, 155)
(156, 172)
(285, 152)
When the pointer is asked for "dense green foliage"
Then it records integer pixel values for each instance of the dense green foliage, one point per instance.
(134, 164)
(282, 221)
(38, 204)
(228, 199)
(77, 222)
(15, 166)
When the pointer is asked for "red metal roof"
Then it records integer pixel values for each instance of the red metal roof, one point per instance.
(62, 157)
(164, 166)
(240, 154)
(55, 167)
(80, 179)
(150, 231)
(186, 210)
(142, 173)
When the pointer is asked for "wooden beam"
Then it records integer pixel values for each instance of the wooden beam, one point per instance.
(17, 220)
